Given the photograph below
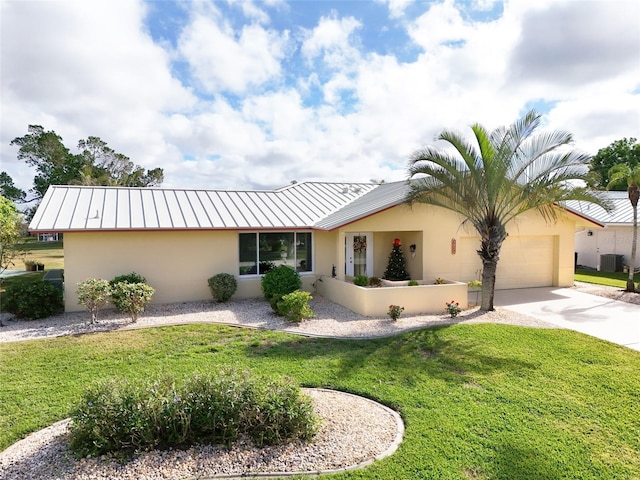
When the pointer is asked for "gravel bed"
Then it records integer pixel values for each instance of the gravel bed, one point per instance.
(354, 431)
(331, 320)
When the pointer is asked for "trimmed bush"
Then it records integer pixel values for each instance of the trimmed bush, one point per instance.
(361, 280)
(93, 294)
(295, 306)
(413, 283)
(132, 297)
(222, 286)
(278, 282)
(32, 299)
(122, 416)
(116, 299)
(375, 282)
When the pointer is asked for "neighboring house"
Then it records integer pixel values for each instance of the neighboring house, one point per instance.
(611, 246)
(177, 239)
(47, 236)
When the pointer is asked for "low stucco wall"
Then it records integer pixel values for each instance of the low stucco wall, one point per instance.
(374, 302)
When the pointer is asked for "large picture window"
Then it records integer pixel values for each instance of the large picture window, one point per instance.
(260, 252)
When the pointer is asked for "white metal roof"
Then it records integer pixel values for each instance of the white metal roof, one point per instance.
(622, 213)
(313, 205)
(96, 208)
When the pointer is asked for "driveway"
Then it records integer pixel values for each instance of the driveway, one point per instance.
(612, 320)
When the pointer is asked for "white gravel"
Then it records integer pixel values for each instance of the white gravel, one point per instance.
(331, 320)
(354, 431)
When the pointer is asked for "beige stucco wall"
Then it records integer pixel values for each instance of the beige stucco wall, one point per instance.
(374, 302)
(432, 229)
(177, 264)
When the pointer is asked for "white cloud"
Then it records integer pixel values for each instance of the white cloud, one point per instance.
(599, 121)
(82, 68)
(274, 107)
(331, 38)
(442, 23)
(570, 44)
(225, 61)
(396, 7)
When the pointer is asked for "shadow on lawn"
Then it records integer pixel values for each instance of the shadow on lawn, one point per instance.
(431, 352)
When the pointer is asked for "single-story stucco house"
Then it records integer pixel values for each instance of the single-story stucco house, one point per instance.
(609, 248)
(329, 232)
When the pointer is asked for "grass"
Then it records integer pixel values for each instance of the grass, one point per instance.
(480, 401)
(612, 279)
(51, 254)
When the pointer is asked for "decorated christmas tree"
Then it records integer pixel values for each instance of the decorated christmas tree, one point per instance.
(396, 268)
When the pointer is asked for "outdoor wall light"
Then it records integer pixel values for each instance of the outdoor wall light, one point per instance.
(589, 233)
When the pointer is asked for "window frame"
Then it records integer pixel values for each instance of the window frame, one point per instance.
(257, 260)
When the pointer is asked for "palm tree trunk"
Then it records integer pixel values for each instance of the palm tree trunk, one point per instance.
(488, 284)
(634, 195)
(634, 244)
(490, 254)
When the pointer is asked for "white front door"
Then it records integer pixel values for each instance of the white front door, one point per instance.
(359, 254)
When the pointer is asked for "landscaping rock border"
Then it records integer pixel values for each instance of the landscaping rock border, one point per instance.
(355, 431)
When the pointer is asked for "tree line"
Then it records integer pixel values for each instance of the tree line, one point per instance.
(55, 164)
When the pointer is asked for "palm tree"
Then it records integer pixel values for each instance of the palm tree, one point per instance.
(496, 177)
(632, 177)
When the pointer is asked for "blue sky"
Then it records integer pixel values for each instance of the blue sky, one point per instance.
(248, 94)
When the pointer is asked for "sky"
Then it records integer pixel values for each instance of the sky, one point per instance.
(242, 94)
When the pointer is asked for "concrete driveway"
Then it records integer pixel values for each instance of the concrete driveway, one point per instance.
(612, 320)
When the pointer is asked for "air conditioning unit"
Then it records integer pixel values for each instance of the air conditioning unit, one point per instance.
(611, 263)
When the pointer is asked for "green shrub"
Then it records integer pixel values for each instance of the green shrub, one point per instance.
(131, 297)
(375, 282)
(439, 281)
(295, 306)
(361, 280)
(32, 299)
(413, 283)
(132, 277)
(278, 282)
(93, 294)
(121, 416)
(222, 286)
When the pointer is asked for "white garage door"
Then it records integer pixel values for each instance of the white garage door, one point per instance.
(524, 261)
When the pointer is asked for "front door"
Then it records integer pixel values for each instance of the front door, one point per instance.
(359, 254)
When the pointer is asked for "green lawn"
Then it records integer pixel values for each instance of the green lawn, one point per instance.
(612, 279)
(479, 401)
(51, 254)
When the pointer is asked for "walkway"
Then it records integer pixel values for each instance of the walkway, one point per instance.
(612, 320)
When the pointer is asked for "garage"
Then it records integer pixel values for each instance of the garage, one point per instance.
(525, 261)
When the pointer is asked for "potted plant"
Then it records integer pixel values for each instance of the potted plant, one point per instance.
(30, 265)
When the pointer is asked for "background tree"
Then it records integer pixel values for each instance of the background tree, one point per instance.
(54, 163)
(10, 231)
(621, 152)
(9, 190)
(97, 164)
(496, 177)
(107, 167)
(630, 177)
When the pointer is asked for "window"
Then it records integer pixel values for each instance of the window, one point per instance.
(260, 252)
